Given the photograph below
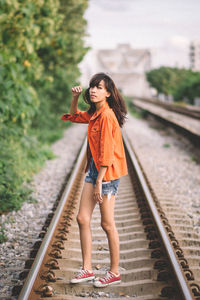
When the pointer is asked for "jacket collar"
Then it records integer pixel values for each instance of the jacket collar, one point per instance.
(97, 113)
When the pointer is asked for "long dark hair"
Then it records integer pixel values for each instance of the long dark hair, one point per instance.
(115, 100)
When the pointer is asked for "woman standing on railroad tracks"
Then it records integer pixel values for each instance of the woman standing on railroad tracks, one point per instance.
(106, 163)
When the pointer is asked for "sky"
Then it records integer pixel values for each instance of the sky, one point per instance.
(166, 27)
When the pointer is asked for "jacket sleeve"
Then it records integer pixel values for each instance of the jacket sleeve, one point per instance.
(106, 155)
(77, 117)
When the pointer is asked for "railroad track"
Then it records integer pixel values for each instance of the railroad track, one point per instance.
(184, 120)
(152, 264)
(188, 110)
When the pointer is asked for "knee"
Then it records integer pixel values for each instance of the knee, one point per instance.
(107, 226)
(82, 220)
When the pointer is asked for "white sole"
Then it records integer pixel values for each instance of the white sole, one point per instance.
(82, 280)
(106, 284)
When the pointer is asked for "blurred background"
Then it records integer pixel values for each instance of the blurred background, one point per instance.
(150, 47)
(130, 37)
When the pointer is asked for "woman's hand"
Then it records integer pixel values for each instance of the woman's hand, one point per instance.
(97, 192)
(76, 91)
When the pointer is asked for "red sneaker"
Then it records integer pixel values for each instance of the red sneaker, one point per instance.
(108, 279)
(82, 275)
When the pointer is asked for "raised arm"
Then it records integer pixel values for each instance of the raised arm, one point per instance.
(76, 91)
(75, 115)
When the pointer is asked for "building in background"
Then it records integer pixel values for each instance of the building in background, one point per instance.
(125, 65)
(194, 55)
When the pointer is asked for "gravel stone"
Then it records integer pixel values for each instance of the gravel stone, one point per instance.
(187, 122)
(167, 156)
(22, 227)
(175, 166)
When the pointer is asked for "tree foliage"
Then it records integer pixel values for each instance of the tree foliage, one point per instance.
(180, 83)
(41, 45)
(189, 88)
(166, 79)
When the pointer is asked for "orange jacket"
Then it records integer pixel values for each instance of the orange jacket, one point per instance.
(105, 140)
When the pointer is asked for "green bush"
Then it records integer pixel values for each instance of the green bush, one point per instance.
(189, 88)
(41, 45)
(20, 159)
(180, 83)
(166, 79)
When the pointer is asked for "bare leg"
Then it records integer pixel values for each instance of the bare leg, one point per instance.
(108, 224)
(86, 208)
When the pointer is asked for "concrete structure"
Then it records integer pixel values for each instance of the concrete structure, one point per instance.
(125, 65)
(194, 55)
(197, 101)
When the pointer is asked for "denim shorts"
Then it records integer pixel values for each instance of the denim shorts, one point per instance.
(108, 187)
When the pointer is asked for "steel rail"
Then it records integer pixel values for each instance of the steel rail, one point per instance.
(191, 133)
(187, 294)
(26, 290)
(190, 112)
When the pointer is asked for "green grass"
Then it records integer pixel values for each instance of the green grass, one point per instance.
(138, 114)
(20, 160)
(166, 145)
(3, 237)
(195, 159)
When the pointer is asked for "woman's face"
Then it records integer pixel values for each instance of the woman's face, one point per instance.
(98, 93)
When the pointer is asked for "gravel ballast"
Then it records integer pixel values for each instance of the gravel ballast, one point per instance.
(171, 164)
(22, 227)
(169, 157)
(172, 160)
